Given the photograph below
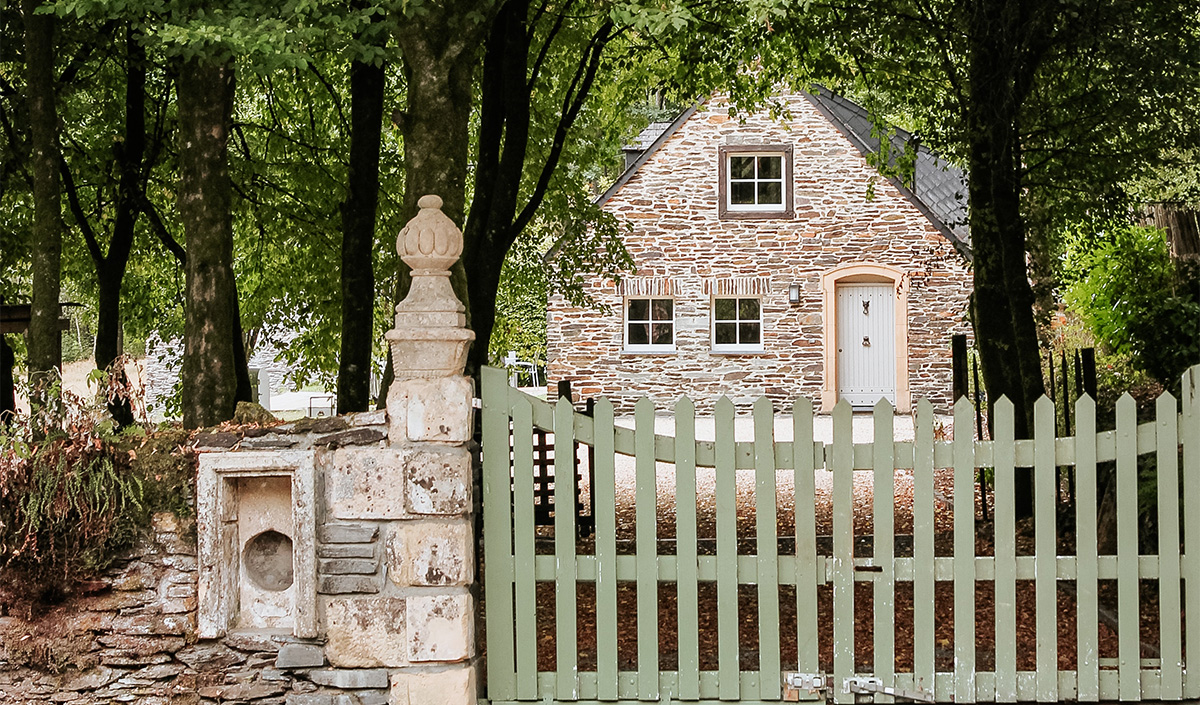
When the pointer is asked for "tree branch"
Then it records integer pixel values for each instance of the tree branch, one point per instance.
(80, 217)
(160, 230)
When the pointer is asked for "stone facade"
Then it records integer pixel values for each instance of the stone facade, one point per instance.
(845, 213)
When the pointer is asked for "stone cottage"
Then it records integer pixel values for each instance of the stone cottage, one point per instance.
(773, 259)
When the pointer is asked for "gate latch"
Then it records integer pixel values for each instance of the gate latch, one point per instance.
(870, 686)
(797, 683)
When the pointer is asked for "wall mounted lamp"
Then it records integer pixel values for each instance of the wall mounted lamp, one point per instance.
(794, 294)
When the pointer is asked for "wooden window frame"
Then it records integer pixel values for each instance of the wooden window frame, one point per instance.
(734, 347)
(647, 347)
(724, 152)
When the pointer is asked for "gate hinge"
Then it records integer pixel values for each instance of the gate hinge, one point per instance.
(871, 686)
(796, 683)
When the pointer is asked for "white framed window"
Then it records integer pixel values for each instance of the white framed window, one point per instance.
(755, 181)
(649, 324)
(737, 323)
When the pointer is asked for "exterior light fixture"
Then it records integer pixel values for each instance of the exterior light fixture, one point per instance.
(794, 294)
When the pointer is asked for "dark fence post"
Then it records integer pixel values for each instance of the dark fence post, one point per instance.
(1089, 372)
(8, 392)
(958, 362)
(564, 390)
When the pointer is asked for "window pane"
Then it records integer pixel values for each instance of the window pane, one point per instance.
(741, 193)
(662, 333)
(770, 192)
(725, 334)
(725, 309)
(748, 333)
(748, 309)
(770, 167)
(639, 334)
(662, 310)
(639, 309)
(741, 167)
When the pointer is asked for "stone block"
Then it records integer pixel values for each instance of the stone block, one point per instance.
(364, 483)
(309, 699)
(377, 417)
(346, 550)
(431, 552)
(253, 641)
(438, 481)
(431, 409)
(373, 697)
(349, 566)
(350, 679)
(447, 687)
(348, 533)
(300, 656)
(209, 656)
(440, 628)
(349, 584)
(366, 632)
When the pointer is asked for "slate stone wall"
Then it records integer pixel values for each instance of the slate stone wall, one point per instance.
(845, 213)
(131, 636)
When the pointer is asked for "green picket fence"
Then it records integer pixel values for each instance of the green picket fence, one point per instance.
(514, 565)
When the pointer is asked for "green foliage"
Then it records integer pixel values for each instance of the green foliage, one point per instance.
(1135, 299)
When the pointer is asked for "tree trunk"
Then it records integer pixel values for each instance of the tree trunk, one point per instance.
(45, 340)
(8, 399)
(210, 379)
(110, 270)
(1182, 225)
(1003, 298)
(367, 84)
(441, 51)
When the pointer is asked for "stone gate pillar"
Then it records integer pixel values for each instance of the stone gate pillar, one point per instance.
(420, 626)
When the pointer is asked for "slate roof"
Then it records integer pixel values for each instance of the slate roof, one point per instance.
(936, 187)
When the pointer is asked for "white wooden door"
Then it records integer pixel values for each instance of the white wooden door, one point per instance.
(866, 343)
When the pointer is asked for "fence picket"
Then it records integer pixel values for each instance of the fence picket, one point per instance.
(523, 553)
(566, 635)
(685, 531)
(1086, 586)
(497, 537)
(647, 550)
(770, 686)
(1169, 603)
(1128, 647)
(964, 553)
(604, 492)
(923, 563)
(1004, 478)
(1045, 493)
(883, 456)
(806, 537)
(729, 679)
(1190, 432)
(843, 548)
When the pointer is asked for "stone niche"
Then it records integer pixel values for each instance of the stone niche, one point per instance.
(256, 519)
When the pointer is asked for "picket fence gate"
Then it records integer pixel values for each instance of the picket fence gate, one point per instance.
(513, 567)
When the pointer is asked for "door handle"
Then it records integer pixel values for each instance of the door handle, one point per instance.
(866, 341)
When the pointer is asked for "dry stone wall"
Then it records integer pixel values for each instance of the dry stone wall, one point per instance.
(844, 213)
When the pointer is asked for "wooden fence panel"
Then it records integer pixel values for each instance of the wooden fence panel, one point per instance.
(1004, 474)
(1086, 573)
(1169, 603)
(806, 538)
(497, 536)
(1190, 426)
(843, 548)
(883, 451)
(647, 550)
(523, 549)
(1045, 496)
(728, 662)
(768, 550)
(1128, 648)
(685, 549)
(923, 549)
(604, 492)
(566, 635)
(964, 553)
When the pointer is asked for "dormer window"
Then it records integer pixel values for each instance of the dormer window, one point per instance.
(755, 181)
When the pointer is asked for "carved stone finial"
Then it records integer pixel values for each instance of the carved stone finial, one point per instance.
(430, 338)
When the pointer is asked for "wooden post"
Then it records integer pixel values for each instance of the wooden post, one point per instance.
(958, 358)
(8, 394)
(1089, 371)
(983, 488)
(564, 390)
